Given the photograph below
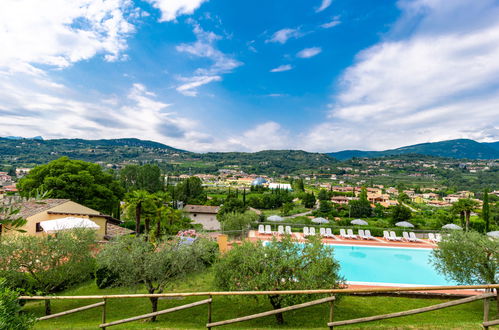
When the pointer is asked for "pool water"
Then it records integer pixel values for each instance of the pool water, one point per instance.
(387, 265)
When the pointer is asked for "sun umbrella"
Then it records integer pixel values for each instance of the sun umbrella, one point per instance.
(275, 218)
(494, 234)
(319, 220)
(404, 224)
(452, 226)
(359, 222)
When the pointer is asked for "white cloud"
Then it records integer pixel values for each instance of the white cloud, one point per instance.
(59, 33)
(281, 68)
(324, 5)
(440, 82)
(334, 22)
(267, 136)
(171, 9)
(309, 52)
(283, 35)
(204, 47)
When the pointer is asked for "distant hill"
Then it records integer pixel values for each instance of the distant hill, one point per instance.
(461, 148)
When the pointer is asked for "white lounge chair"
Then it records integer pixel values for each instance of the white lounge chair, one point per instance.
(305, 232)
(367, 234)
(395, 237)
(438, 238)
(386, 235)
(288, 230)
(312, 231)
(280, 230)
(361, 234)
(268, 230)
(343, 234)
(261, 229)
(329, 233)
(351, 234)
(322, 231)
(414, 238)
(405, 236)
(431, 238)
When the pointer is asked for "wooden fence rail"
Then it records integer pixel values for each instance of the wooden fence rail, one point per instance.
(411, 312)
(486, 296)
(272, 312)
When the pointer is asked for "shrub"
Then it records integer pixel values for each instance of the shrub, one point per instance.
(104, 277)
(11, 317)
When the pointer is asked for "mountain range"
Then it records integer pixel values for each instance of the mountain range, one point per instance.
(32, 151)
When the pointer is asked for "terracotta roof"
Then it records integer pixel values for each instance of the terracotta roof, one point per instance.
(32, 207)
(201, 209)
(113, 230)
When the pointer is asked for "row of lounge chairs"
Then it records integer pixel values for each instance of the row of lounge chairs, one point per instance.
(267, 230)
(408, 237)
(434, 238)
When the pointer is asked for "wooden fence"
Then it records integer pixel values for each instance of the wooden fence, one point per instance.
(486, 296)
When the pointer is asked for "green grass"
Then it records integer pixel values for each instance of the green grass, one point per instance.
(466, 316)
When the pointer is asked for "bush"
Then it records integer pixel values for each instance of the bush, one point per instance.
(11, 317)
(104, 277)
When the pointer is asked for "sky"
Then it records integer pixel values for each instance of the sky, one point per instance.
(224, 75)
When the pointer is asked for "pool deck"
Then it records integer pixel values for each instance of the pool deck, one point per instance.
(253, 235)
(377, 241)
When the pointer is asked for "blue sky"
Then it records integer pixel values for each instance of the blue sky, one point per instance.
(220, 75)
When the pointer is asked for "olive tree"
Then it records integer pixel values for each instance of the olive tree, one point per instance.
(468, 258)
(279, 265)
(136, 261)
(11, 317)
(48, 263)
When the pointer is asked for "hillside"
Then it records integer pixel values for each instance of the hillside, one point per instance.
(29, 152)
(461, 148)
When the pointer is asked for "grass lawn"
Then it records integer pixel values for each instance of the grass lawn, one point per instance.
(466, 316)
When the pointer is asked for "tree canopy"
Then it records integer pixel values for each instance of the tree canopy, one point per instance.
(79, 181)
(280, 265)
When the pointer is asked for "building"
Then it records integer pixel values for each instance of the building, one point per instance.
(37, 211)
(284, 186)
(204, 215)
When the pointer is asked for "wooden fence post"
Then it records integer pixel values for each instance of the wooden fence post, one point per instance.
(104, 311)
(209, 311)
(331, 312)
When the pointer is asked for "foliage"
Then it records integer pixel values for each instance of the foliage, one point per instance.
(323, 195)
(232, 205)
(190, 191)
(82, 182)
(11, 317)
(10, 219)
(468, 258)
(137, 261)
(146, 177)
(273, 200)
(105, 278)
(238, 221)
(464, 207)
(287, 208)
(308, 200)
(360, 208)
(400, 212)
(143, 205)
(280, 265)
(486, 210)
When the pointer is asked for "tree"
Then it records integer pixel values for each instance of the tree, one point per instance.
(280, 265)
(465, 206)
(51, 263)
(468, 258)
(11, 317)
(400, 213)
(136, 261)
(232, 205)
(308, 200)
(360, 208)
(191, 191)
(10, 218)
(287, 208)
(238, 221)
(146, 177)
(82, 182)
(323, 195)
(486, 209)
(138, 200)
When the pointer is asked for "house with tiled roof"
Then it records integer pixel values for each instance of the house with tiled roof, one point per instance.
(204, 215)
(38, 211)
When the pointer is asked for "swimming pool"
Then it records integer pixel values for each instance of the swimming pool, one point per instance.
(387, 265)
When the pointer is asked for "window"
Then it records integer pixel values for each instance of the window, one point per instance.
(38, 227)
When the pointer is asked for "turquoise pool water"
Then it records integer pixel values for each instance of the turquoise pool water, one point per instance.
(388, 265)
